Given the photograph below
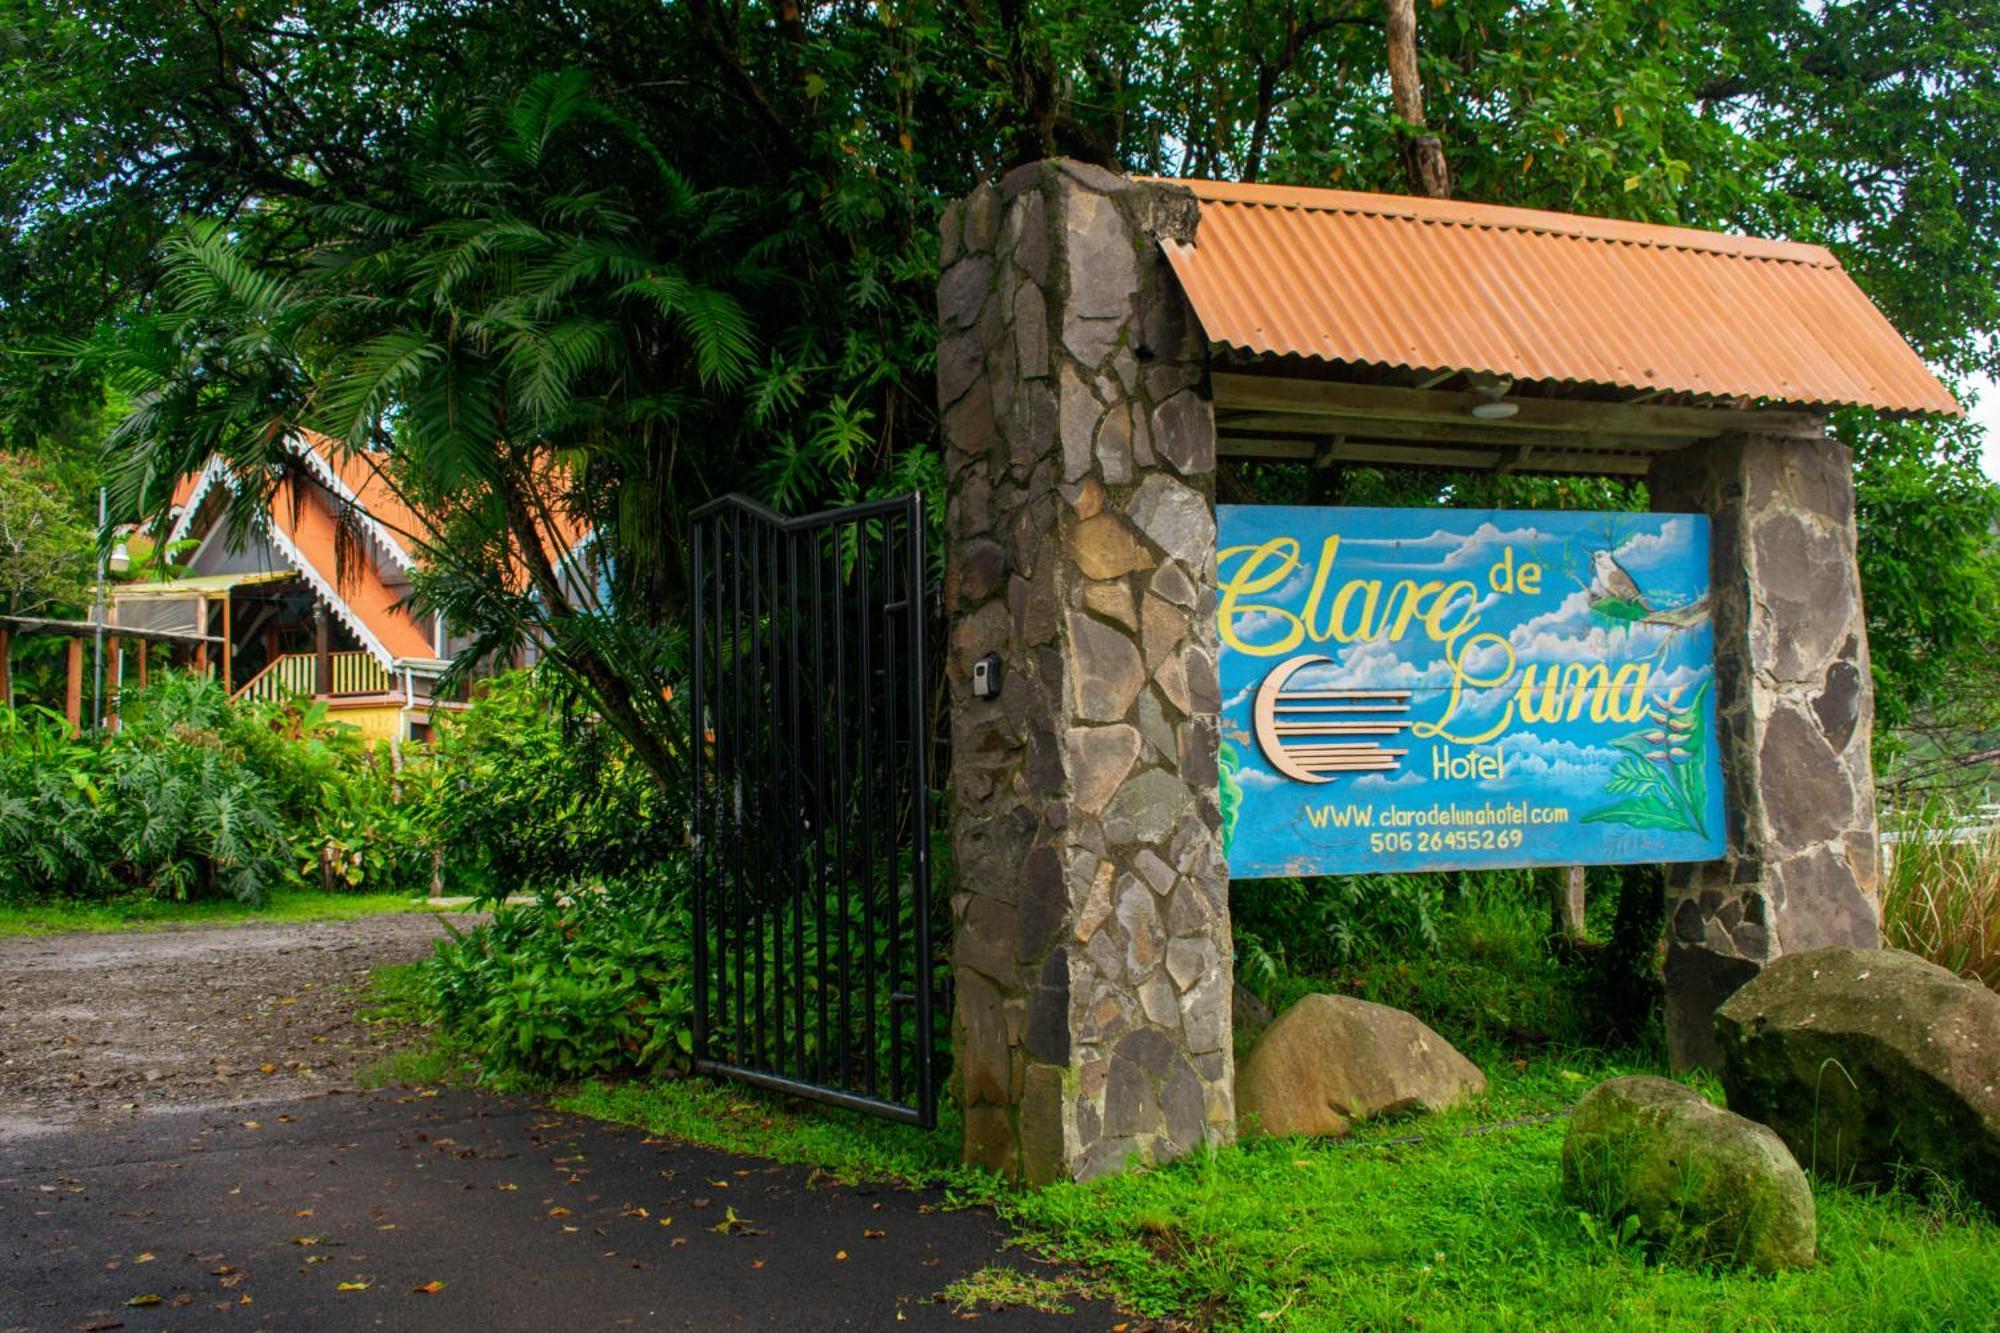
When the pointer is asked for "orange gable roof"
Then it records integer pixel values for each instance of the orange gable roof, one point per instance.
(306, 523)
(1436, 285)
(310, 530)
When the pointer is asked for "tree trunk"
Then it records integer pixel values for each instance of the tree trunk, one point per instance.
(1423, 155)
(1566, 903)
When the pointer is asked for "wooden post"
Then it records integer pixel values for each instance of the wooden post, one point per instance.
(201, 645)
(73, 690)
(322, 652)
(227, 647)
(143, 653)
(6, 668)
(114, 673)
(1566, 905)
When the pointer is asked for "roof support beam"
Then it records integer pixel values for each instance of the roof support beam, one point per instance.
(1470, 431)
(1338, 399)
(1393, 453)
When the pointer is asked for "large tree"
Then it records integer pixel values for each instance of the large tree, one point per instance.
(615, 256)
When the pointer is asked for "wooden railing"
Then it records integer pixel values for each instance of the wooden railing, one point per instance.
(295, 674)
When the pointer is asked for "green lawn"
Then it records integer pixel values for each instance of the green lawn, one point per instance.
(1441, 1222)
(48, 918)
(1433, 1223)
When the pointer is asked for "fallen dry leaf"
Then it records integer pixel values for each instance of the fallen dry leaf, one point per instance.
(145, 1258)
(840, 1256)
(352, 1286)
(431, 1288)
(148, 1299)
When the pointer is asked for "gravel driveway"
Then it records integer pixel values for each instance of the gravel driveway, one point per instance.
(99, 1028)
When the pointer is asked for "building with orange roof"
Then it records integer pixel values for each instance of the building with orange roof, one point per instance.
(315, 599)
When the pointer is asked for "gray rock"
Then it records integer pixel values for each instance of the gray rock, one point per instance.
(1103, 259)
(1175, 517)
(1146, 808)
(1099, 759)
(1080, 414)
(1701, 1185)
(1332, 1060)
(1105, 670)
(1031, 331)
(1870, 1063)
(962, 291)
(1184, 433)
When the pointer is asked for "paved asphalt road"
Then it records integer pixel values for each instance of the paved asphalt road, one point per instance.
(527, 1218)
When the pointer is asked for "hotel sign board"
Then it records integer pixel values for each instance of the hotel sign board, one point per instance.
(1424, 689)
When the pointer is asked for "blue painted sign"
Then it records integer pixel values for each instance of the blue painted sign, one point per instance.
(1421, 689)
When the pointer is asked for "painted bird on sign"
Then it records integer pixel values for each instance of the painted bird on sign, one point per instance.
(1609, 581)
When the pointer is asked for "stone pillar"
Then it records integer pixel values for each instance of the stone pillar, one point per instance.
(1090, 899)
(1795, 709)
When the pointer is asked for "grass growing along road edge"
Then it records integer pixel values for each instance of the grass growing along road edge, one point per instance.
(56, 916)
(1439, 1222)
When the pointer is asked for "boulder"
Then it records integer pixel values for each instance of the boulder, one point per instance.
(1699, 1184)
(1248, 1016)
(1331, 1060)
(1869, 1063)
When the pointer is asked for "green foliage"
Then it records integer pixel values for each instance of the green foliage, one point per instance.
(1930, 569)
(55, 916)
(1662, 774)
(1445, 1222)
(605, 259)
(599, 982)
(1470, 953)
(1941, 893)
(45, 552)
(195, 797)
(1317, 924)
(529, 797)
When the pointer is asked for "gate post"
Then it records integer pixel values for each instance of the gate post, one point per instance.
(1090, 899)
(1795, 712)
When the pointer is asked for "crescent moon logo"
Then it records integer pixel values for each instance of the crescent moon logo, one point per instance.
(1315, 735)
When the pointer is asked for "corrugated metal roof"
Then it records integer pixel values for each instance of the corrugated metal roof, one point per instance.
(1437, 285)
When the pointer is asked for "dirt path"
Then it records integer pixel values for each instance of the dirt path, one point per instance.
(99, 1028)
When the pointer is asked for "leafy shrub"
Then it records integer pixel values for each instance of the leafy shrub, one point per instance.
(565, 987)
(195, 796)
(1314, 925)
(1941, 896)
(530, 799)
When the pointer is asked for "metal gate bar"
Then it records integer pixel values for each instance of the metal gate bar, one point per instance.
(812, 896)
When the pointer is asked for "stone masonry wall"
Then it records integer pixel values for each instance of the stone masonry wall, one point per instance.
(1795, 708)
(1090, 899)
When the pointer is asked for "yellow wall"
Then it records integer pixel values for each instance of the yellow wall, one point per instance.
(378, 721)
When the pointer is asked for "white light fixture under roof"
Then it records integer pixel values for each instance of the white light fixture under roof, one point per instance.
(1491, 390)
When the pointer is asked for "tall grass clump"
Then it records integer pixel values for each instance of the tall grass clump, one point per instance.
(1941, 895)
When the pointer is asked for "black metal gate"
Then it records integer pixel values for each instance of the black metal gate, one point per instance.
(812, 895)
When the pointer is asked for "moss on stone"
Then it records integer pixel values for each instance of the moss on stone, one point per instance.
(1698, 1184)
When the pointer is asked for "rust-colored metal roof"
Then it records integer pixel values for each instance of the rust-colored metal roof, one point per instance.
(1437, 285)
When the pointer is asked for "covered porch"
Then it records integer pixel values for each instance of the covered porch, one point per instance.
(271, 636)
